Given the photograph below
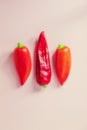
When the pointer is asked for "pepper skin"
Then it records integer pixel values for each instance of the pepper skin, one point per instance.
(63, 63)
(22, 61)
(43, 68)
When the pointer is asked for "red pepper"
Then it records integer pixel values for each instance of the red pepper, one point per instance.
(22, 61)
(43, 68)
(63, 63)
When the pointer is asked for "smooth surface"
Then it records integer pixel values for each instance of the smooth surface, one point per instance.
(53, 108)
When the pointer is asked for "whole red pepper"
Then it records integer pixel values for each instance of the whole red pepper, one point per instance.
(43, 68)
(63, 63)
(22, 61)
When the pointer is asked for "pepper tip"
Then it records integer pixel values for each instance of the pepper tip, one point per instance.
(42, 33)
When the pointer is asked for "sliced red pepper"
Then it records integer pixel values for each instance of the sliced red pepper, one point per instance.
(22, 61)
(43, 68)
(63, 63)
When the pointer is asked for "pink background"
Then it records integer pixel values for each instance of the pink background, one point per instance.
(31, 107)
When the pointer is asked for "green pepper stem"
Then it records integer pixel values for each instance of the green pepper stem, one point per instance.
(60, 46)
(19, 45)
(44, 86)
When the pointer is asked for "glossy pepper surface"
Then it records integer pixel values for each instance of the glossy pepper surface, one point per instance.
(63, 63)
(43, 68)
(22, 61)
